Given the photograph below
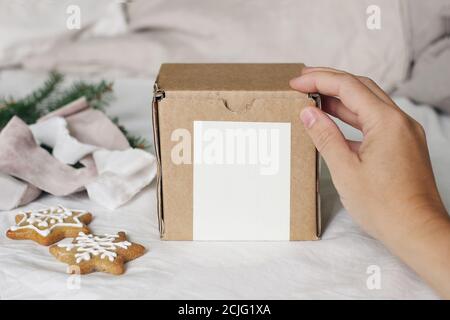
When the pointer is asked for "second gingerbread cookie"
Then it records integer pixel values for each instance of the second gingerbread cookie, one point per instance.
(106, 253)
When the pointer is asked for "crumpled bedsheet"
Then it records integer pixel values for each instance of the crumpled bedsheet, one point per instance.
(335, 267)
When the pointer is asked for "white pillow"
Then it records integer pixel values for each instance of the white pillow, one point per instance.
(26, 25)
(320, 32)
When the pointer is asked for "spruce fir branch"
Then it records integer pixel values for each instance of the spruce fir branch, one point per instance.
(97, 94)
(133, 140)
(50, 85)
(28, 108)
(49, 97)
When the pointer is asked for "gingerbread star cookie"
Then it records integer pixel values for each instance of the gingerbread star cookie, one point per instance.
(106, 253)
(48, 226)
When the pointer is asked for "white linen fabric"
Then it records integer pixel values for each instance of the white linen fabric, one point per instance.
(334, 267)
(323, 32)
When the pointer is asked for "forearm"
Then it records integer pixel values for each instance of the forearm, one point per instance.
(426, 249)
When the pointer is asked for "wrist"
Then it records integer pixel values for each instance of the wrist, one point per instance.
(418, 224)
(425, 248)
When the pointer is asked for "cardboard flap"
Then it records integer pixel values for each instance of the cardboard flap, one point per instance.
(237, 101)
(228, 77)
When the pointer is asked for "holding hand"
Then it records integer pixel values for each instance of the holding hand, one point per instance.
(386, 181)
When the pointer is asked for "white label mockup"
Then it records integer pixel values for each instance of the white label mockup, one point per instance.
(241, 180)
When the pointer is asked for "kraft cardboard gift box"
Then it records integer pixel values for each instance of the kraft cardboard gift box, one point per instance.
(234, 161)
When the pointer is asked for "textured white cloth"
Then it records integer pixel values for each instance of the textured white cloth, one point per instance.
(121, 174)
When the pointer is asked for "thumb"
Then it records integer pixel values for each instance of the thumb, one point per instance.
(327, 138)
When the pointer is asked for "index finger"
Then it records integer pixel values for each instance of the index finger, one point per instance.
(369, 83)
(353, 93)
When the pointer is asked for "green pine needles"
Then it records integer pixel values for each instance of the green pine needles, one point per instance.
(29, 108)
(51, 96)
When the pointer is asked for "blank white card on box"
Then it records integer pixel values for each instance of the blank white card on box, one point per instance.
(241, 180)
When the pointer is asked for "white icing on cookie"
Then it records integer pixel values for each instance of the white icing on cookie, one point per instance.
(48, 219)
(89, 245)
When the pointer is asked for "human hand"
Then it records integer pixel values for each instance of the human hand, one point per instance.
(386, 181)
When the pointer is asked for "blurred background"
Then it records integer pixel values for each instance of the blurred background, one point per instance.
(403, 45)
(132, 38)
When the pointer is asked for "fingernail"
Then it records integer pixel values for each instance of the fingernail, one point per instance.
(308, 117)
